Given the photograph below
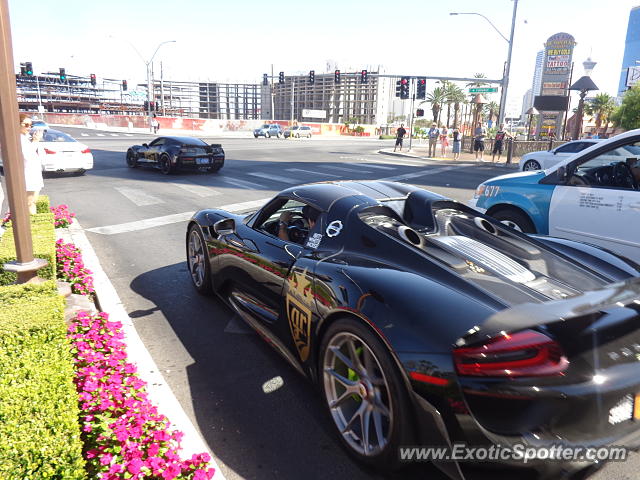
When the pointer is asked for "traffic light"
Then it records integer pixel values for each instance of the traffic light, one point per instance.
(28, 68)
(93, 79)
(265, 79)
(421, 88)
(404, 88)
(63, 75)
(364, 77)
(398, 88)
(312, 77)
(23, 70)
(124, 85)
(281, 77)
(336, 76)
(420, 112)
(146, 105)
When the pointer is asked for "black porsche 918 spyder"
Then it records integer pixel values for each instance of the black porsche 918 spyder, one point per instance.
(425, 322)
(169, 154)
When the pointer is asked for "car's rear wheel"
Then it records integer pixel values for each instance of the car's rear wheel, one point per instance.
(279, 135)
(267, 135)
(531, 165)
(297, 135)
(364, 393)
(165, 165)
(515, 219)
(132, 159)
(215, 168)
(198, 261)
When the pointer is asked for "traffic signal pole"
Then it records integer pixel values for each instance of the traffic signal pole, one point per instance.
(413, 99)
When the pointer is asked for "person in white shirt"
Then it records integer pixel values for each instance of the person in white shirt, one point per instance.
(32, 165)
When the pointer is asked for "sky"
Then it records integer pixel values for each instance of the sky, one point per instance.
(239, 41)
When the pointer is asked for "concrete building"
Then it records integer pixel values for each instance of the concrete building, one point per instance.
(527, 103)
(536, 85)
(631, 48)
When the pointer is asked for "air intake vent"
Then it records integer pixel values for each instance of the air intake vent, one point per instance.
(485, 256)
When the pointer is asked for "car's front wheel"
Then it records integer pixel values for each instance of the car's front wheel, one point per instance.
(267, 135)
(515, 219)
(165, 165)
(364, 393)
(198, 261)
(132, 159)
(531, 165)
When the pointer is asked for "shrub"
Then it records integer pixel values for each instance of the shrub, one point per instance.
(43, 237)
(42, 204)
(39, 431)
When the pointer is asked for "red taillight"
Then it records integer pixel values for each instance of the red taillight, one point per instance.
(49, 152)
(521, 354)
(86, 150)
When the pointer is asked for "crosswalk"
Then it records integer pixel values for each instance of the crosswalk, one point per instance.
(261, 183)
(106, 135)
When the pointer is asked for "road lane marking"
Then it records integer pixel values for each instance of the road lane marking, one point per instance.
(344, 169)
(312, 172)
(169, 219)
(84, 134)
(380, 167)
(275, 178)
(199, 190)
(115, 135)
(242, 183)
(421, 173)
(139, 197)
(100, 134)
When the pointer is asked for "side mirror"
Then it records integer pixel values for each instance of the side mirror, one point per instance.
(562, 173)
(225, 227)
(145, 145)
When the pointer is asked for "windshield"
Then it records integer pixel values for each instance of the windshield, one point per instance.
(55, 136)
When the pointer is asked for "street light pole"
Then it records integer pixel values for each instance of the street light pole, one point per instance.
(505, 76)
(149, 86)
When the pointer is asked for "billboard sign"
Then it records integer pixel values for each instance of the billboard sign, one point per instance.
(556, 72)
(633, 75)
(307, 113)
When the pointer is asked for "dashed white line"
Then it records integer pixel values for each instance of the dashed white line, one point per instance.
(378, 166)
(100, 134)
(139, 197)
(275, 178)
(84, 134)
(115, 135)
(199, 190)
(343, 169)
(242, 183)
(312, 172)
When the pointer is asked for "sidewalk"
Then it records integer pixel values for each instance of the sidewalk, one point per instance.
(421, 151)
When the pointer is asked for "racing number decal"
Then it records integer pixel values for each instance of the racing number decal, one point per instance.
(299, 299)
(334, 228)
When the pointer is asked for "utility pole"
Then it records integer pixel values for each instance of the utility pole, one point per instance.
(413, 99)
(505, 78)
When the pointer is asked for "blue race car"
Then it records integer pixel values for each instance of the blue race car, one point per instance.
(592, 196)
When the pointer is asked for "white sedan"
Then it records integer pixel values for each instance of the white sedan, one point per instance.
(60, 152)
(547, 158)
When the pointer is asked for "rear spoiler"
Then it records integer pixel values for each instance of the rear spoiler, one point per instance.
(527, 315)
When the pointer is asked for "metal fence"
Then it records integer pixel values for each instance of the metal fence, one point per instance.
(520, 147)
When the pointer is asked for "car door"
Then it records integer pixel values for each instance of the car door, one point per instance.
(599, 202)
(560, 153)
(154, 150)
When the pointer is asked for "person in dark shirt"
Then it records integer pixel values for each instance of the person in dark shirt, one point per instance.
(498, 145)
(400, 133)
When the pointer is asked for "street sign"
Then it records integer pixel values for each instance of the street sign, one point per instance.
(308, 113)
(483, 89)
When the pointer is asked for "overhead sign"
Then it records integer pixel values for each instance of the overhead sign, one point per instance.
(483, 89)
(633, 75)
(314, 113)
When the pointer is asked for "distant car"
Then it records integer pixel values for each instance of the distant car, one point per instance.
(298, 131)
(39, 125)
(169, 154)
(268, 130)
(60, 152)
(547, 158)
(592, 196)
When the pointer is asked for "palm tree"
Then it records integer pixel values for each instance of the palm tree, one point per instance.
(491, 110)
(436, 99)
(479, 82)
(450, 90)
(458, 97)
(602, 106)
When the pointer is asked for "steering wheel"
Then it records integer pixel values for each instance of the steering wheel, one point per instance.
(622, 176)
(298, 228)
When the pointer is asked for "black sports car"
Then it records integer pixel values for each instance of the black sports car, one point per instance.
(172, 153)
(424, 322)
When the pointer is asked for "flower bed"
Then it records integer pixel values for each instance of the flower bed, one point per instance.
(124, 435)
(71, 268)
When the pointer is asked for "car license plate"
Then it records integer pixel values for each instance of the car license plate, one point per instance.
(636, 407)
(202, 160)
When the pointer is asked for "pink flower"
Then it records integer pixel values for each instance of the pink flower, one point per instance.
(106, 458)
(134, 466)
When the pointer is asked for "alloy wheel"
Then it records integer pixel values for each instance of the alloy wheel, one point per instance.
(531, 165)
(358, 394)
(196, 257)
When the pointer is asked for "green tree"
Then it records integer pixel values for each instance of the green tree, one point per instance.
(458, 97)
(602, 106)
(627, 115)
(479, 82)
(436, 99)
(491, 110)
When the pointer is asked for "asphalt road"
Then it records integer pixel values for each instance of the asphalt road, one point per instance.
(216, 366)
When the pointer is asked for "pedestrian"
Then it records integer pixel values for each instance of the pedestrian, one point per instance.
(400, 133)
(478, 141)
(433, 134)
(155, 124)
(32, 165)
(498, 145)
(457, 143)
(444, 141)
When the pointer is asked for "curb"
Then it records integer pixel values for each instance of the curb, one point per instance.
(158, 390)
(436, 159)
